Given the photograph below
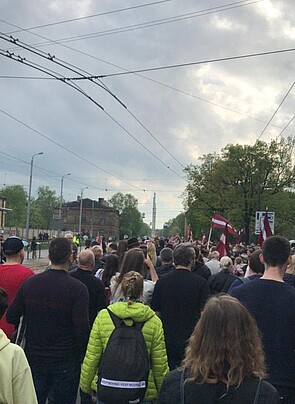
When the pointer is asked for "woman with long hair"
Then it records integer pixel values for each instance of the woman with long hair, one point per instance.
(130, 308)
(134, 260)
(224, 360)
(111, 269)
(151, 252)
(121, 250)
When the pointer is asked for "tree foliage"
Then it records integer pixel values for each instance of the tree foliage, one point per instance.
(131, 222)
(16, 199)
(239, 181)
(43, 207)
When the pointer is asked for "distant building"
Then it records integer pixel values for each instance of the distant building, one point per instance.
(97, 216)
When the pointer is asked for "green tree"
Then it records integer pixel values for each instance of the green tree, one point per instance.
(130, 218)
(42, 208)
(16, 199)
(239, 181)
(145, 230)
(176, 225)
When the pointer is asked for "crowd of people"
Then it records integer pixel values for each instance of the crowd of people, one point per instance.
(206, 328)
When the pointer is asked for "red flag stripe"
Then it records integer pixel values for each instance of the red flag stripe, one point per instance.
(220, 222)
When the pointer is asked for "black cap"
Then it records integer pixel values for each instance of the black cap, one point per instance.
(12, 245)
(132, 242)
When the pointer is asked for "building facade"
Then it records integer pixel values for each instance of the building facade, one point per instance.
(93, 216)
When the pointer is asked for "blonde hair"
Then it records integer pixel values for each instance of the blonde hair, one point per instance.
(97, 251)
(226, 262)
(291, 267)
(132, 287)
(151, 251)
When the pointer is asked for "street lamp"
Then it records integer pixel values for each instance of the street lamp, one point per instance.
(81, 207)
(60, 199)
(29, 200)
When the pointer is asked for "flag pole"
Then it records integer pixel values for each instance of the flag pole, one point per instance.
(209, 239)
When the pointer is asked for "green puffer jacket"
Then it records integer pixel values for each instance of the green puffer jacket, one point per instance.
(153, 334)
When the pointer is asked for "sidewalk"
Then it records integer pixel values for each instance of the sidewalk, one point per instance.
(38, 265)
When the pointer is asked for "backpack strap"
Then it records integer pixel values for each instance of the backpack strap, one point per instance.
(119, 321)
(244, 280)
(257, 392)
(182, 379)
(115, 319)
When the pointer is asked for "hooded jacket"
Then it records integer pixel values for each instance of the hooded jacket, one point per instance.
(16, 384)
(153, 334)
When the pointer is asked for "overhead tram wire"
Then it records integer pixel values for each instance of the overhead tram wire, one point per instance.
(24, 61)
(137, 74)
(49, 171)
(286, 126)
(224, 59)
(40, 53)
(80, 182)
(92, 16)
(68, 150)
(91, 99)
(277, 109)
(149, 24)
(61, 63)
(181, 65)
(25, 77)
(146, 78)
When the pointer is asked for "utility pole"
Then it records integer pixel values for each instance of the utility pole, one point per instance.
(60, 202)
(154, 217)
(29, 200)
(81, 210)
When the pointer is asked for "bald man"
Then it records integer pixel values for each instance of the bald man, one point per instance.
(94, 285)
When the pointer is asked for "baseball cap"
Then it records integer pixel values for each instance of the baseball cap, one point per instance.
(12, 245)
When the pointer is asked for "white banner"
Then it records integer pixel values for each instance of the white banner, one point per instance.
(260, 216)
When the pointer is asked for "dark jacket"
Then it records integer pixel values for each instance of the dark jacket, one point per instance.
(204, 393)
(165, 269)
(96, 290)
(220, 282)
(56, 309)
(201, 270)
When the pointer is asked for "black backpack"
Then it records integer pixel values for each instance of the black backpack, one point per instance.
(124, 366)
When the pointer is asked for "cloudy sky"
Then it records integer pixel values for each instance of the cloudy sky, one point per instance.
(169, 117)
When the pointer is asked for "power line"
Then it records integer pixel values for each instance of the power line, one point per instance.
(90, 16)
(68, 150)
(140, 75)
(151, 69)
(152, 23)
(286, 126)
(273, 115)
(84, 183)
(31, 64)
(163, 85)
(49, 171)
(69, 67)
(25, 77)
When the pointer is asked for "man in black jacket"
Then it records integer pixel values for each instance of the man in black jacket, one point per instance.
(166, 258)
(271, 302)
(178, 299)
(55, 306)
(83, 273)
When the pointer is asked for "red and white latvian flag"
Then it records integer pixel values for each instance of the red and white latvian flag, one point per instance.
(223, 245)
(220, 222)
(265, 230)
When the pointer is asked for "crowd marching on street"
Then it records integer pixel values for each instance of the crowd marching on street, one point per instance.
(149, 321)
